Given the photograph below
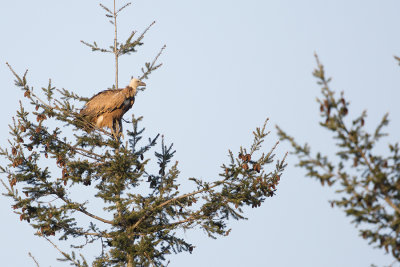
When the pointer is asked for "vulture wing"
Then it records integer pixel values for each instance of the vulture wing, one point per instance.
(105, 101)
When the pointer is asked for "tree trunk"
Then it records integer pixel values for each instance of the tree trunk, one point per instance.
(130, 262)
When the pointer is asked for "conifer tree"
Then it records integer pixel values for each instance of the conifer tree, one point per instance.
(367, 183)
(52, 160)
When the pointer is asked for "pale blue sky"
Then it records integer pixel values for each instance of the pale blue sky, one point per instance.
(228, 66)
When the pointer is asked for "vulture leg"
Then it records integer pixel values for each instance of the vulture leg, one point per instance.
(115, 134)
(117, 129)
(121, 134)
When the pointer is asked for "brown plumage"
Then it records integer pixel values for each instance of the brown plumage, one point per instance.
(106, 108)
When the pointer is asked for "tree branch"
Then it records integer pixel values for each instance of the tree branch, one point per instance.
(86, 212)
(33, 258)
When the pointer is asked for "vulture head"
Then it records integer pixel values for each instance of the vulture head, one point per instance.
(135, 83)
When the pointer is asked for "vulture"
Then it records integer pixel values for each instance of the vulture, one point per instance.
(106, 108)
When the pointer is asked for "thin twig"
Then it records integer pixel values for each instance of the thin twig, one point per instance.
(95, 234)
(153, 63)
(33, 258)
(59, 250)
(149, 259)
(115, 47)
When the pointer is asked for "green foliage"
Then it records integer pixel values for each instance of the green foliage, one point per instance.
(52, 160)
(368, 183)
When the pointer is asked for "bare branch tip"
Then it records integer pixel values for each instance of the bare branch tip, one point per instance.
(284, 158)
(30, 255)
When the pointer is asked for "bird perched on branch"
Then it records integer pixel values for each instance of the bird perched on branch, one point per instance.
(106, 108)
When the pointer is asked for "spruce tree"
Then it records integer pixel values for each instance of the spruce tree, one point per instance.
(367, 183)
(80, 187)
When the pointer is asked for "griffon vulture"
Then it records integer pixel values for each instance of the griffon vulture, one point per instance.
(106, 108)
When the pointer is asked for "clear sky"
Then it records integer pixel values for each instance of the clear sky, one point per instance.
(228, 66)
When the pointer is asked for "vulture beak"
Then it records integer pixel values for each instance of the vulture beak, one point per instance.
(142, 83)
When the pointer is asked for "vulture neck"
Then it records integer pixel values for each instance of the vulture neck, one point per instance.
(131, 90)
